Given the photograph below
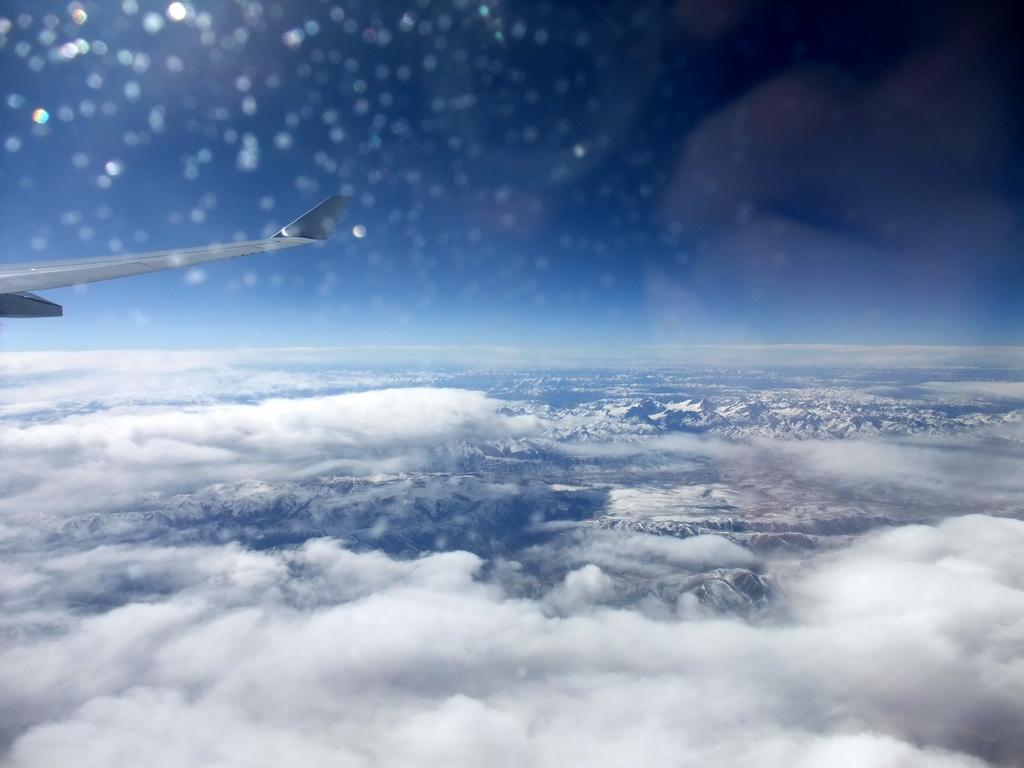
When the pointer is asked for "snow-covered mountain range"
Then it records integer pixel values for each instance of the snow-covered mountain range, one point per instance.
(772, 462)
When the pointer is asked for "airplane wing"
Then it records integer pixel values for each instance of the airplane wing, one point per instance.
(16, 280)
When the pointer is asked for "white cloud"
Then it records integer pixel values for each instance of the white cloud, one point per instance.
(640, 553)
(974, 390)
(965, 468)
(107, 458)
(903, 649)
(53, 383)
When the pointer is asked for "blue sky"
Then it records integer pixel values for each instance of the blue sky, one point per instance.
(526, 174)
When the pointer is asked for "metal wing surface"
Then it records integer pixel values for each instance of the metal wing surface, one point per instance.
(16, 280)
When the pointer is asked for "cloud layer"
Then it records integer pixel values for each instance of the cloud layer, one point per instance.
(563, 638)
(109, 458)
(903, 649)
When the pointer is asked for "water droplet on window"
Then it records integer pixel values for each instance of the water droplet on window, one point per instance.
(152, 22)
(177, 11)
(293, 37)
(249, 154)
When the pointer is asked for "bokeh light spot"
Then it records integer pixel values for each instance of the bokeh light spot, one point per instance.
(249, 155)
(40, 116)
(359, 230)
(177, 11)
(293, 37)
(152, 23)
(195, 276)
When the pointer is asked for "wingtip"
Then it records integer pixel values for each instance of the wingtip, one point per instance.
(317, 223)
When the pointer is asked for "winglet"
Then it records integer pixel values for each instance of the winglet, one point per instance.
(318, 223)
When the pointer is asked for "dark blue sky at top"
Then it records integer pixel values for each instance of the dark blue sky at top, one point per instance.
(527, 173)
